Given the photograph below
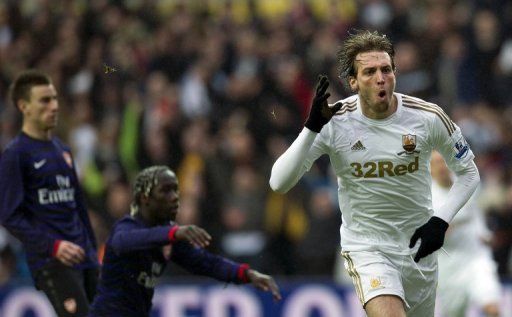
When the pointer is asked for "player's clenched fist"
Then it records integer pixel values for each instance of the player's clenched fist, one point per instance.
(320, 112)
(193, 234)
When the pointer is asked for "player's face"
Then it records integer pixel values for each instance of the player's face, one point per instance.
(163, 202)
(375, 83)
(40, 113)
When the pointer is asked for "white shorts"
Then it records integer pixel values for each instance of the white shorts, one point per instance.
(467, 282)
(376, 273)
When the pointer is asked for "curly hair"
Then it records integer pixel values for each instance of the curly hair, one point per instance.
(144, 182)
(361, 42)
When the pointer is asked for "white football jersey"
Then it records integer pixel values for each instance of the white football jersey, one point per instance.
(383, 169)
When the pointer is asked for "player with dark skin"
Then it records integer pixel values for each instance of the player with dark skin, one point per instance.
(138, 241)
(161, 207)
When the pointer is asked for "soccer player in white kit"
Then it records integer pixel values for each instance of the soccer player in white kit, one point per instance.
(379, 143)
(467, 257)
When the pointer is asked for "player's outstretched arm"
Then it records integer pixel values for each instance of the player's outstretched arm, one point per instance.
(264, 282)
(129, 237)
(201, 262)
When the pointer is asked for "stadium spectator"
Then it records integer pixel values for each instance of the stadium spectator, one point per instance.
(260, 58)
(379, 143)
(41, 202)
(315, 251)
(142, 243)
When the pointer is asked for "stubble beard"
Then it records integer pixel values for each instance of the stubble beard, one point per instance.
(376, 106)
(381, 106)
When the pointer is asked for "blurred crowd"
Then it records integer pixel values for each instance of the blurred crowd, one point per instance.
(218, 89)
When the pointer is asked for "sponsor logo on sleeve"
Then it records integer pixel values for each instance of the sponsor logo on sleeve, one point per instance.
(461, 148)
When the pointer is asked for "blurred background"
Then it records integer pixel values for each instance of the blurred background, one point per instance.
(218, 89)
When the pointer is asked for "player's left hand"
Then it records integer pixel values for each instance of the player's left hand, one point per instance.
(320, 112)
(264, 282)
(432, 237)
(193, 234)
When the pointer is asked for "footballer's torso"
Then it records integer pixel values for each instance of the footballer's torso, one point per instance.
(394, 151)
(382, 168)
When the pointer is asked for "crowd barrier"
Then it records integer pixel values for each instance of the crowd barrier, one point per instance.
(207, 299)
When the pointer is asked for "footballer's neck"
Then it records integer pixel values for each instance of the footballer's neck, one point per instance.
(379, 112)
(38, 134)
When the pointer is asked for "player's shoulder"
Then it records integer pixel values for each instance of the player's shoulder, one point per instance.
(348, 105)
(420, 106)
(58, 142)
(15, 144)
(423, 109)
(15, 147)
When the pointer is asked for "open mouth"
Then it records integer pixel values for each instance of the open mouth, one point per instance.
(382, 94)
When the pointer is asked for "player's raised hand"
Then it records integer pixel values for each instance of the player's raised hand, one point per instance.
(69, 253)
(431, 235)
(264, 282)
(193, 234)
(320, 112)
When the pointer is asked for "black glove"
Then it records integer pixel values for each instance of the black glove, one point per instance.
(320, 112)
(431, 235)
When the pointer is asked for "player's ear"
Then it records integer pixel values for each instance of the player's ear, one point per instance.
(352, 81)
(21, 104)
